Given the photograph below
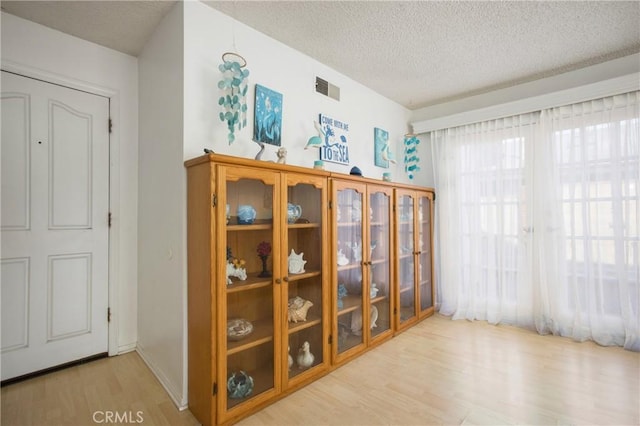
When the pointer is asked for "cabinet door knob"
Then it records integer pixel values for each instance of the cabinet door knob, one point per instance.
(286, 279)
(278, 280)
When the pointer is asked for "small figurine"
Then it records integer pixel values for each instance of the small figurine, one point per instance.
(342, 259)
(305, 357)
(298, 308)
(342, 292)
(236, 269)
(373, 291)
(290, 357)
(282, 155)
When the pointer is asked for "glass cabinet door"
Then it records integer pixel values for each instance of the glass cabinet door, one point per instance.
(379, 263)
(306, 216)
(424, 253)
(348, 207)
(248, 357)
(406, 255)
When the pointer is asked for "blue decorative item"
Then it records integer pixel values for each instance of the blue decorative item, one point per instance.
(355, 171)
(239, 385)
(381, 148)
(411, 158)
(267, 122)
(246, 214)
(234, 92)
(316, 141)
(342, 292)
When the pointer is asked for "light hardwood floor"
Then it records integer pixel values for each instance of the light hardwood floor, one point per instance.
(438, 372)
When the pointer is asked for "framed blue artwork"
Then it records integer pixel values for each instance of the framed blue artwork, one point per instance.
(381, 147)
(267, 122)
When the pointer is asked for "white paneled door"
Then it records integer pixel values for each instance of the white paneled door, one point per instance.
(54, 225)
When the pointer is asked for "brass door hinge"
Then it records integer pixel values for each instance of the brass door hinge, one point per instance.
(108, 314)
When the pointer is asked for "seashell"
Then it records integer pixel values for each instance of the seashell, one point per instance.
(238, 328)
(298, 308)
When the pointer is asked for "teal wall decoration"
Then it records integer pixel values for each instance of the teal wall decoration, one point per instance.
(234, 92)
(267, 122)
(411, 158)
(382, 153)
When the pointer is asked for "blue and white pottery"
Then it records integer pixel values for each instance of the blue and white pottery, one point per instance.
(239, 385)
(294, 212)
(246, 214)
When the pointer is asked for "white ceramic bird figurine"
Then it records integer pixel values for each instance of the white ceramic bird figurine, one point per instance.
(316, 141)
(290, 357)
(305, 357)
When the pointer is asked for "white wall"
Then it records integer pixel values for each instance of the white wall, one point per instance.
(37, 51)
(209, 33)
(162, 205)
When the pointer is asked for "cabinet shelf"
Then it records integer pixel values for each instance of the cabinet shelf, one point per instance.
(379, 299)
(350, 304)
(302, 276)
(252, 282)
(256, 226)
(406, 289)
(349, 266)
(262, 333)
(312, 319)
(303, 225)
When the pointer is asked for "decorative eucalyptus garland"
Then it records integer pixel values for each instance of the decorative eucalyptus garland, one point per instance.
(234, 98)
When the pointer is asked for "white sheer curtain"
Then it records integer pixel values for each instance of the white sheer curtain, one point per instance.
(538, 220)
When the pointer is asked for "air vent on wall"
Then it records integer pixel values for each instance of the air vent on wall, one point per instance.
(327, 89)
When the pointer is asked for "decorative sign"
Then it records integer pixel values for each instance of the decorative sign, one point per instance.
(335, 148)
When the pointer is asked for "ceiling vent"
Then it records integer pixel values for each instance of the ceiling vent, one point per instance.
(327, 89)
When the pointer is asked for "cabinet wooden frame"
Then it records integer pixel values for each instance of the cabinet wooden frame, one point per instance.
(418, 224)
(211, 301)
(363, 226)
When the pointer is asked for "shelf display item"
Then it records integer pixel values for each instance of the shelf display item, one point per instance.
(294, 212)
(246, 214)
(239, 385)
(296, 263)
(238, 328)
(305, 357)
(342, 292)
(290, 361)
(236, 269)
(298, 308)
(342, 259)
(356, 320)
(373, 291)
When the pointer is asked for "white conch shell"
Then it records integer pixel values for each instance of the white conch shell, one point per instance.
(296, 263)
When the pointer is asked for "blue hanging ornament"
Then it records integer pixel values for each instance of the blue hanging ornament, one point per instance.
(234, 86)
(411, 158)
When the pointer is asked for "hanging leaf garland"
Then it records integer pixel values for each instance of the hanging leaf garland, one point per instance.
(234, 95)
(411, 158)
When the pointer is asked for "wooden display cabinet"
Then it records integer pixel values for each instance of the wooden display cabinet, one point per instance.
(222, 367)
(414, 256)
(362, 277)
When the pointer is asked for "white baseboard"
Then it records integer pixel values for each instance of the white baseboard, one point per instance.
(123, 349)
(178, 399)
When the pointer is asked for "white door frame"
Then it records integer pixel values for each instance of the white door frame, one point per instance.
(114, 179)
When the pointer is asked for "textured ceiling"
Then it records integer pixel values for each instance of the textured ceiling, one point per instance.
(417, 53)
